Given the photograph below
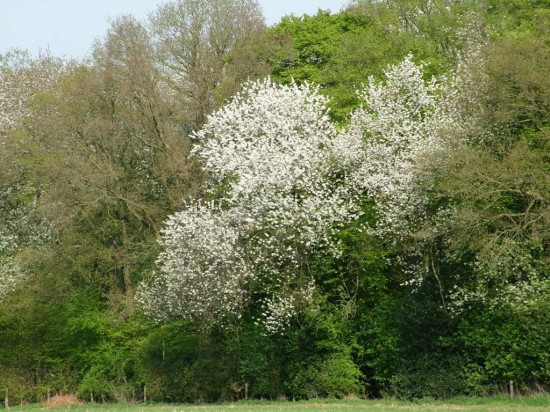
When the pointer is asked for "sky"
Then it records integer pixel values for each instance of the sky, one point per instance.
(68, 28)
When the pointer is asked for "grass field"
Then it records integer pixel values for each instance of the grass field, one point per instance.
(531, 404)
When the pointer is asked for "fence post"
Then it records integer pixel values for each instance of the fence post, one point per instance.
(246, 391)
(144, 393)
(511, 389)
(6, 401)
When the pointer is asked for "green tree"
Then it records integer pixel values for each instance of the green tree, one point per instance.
(193, 40)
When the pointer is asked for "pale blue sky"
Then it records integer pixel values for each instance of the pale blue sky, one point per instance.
(69, 27)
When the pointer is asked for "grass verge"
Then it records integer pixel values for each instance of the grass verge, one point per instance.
(501, 404)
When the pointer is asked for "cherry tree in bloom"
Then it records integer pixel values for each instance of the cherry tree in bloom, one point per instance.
(203, 271)
(400, 122)
(269, 152)
(285, 180)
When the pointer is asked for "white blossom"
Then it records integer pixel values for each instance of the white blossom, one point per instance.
(11, 274)
(270, 153)
(202, 268)
(285, 180)
(398, 126)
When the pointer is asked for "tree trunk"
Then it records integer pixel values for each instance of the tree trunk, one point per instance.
(126, 265)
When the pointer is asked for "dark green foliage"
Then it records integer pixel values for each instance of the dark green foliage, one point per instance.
(332, 376)
(499, 347)
(181, 365)
(261, 363)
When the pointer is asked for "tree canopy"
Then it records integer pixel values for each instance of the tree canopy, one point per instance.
(340, 204)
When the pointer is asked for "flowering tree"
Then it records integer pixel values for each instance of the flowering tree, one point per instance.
(285, 181)
(22, 79)
(398, 126)
(269, 154)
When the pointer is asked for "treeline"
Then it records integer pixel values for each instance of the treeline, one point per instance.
(434, 283)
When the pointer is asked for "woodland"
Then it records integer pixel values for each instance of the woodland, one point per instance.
(354, 204)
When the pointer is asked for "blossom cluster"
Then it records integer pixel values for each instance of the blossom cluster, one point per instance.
(10, 273)
(203, 269)
(269, 152)
(20, 227)
(399, 124)
(285, 180)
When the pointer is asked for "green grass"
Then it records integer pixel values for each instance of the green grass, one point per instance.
(500, 404)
